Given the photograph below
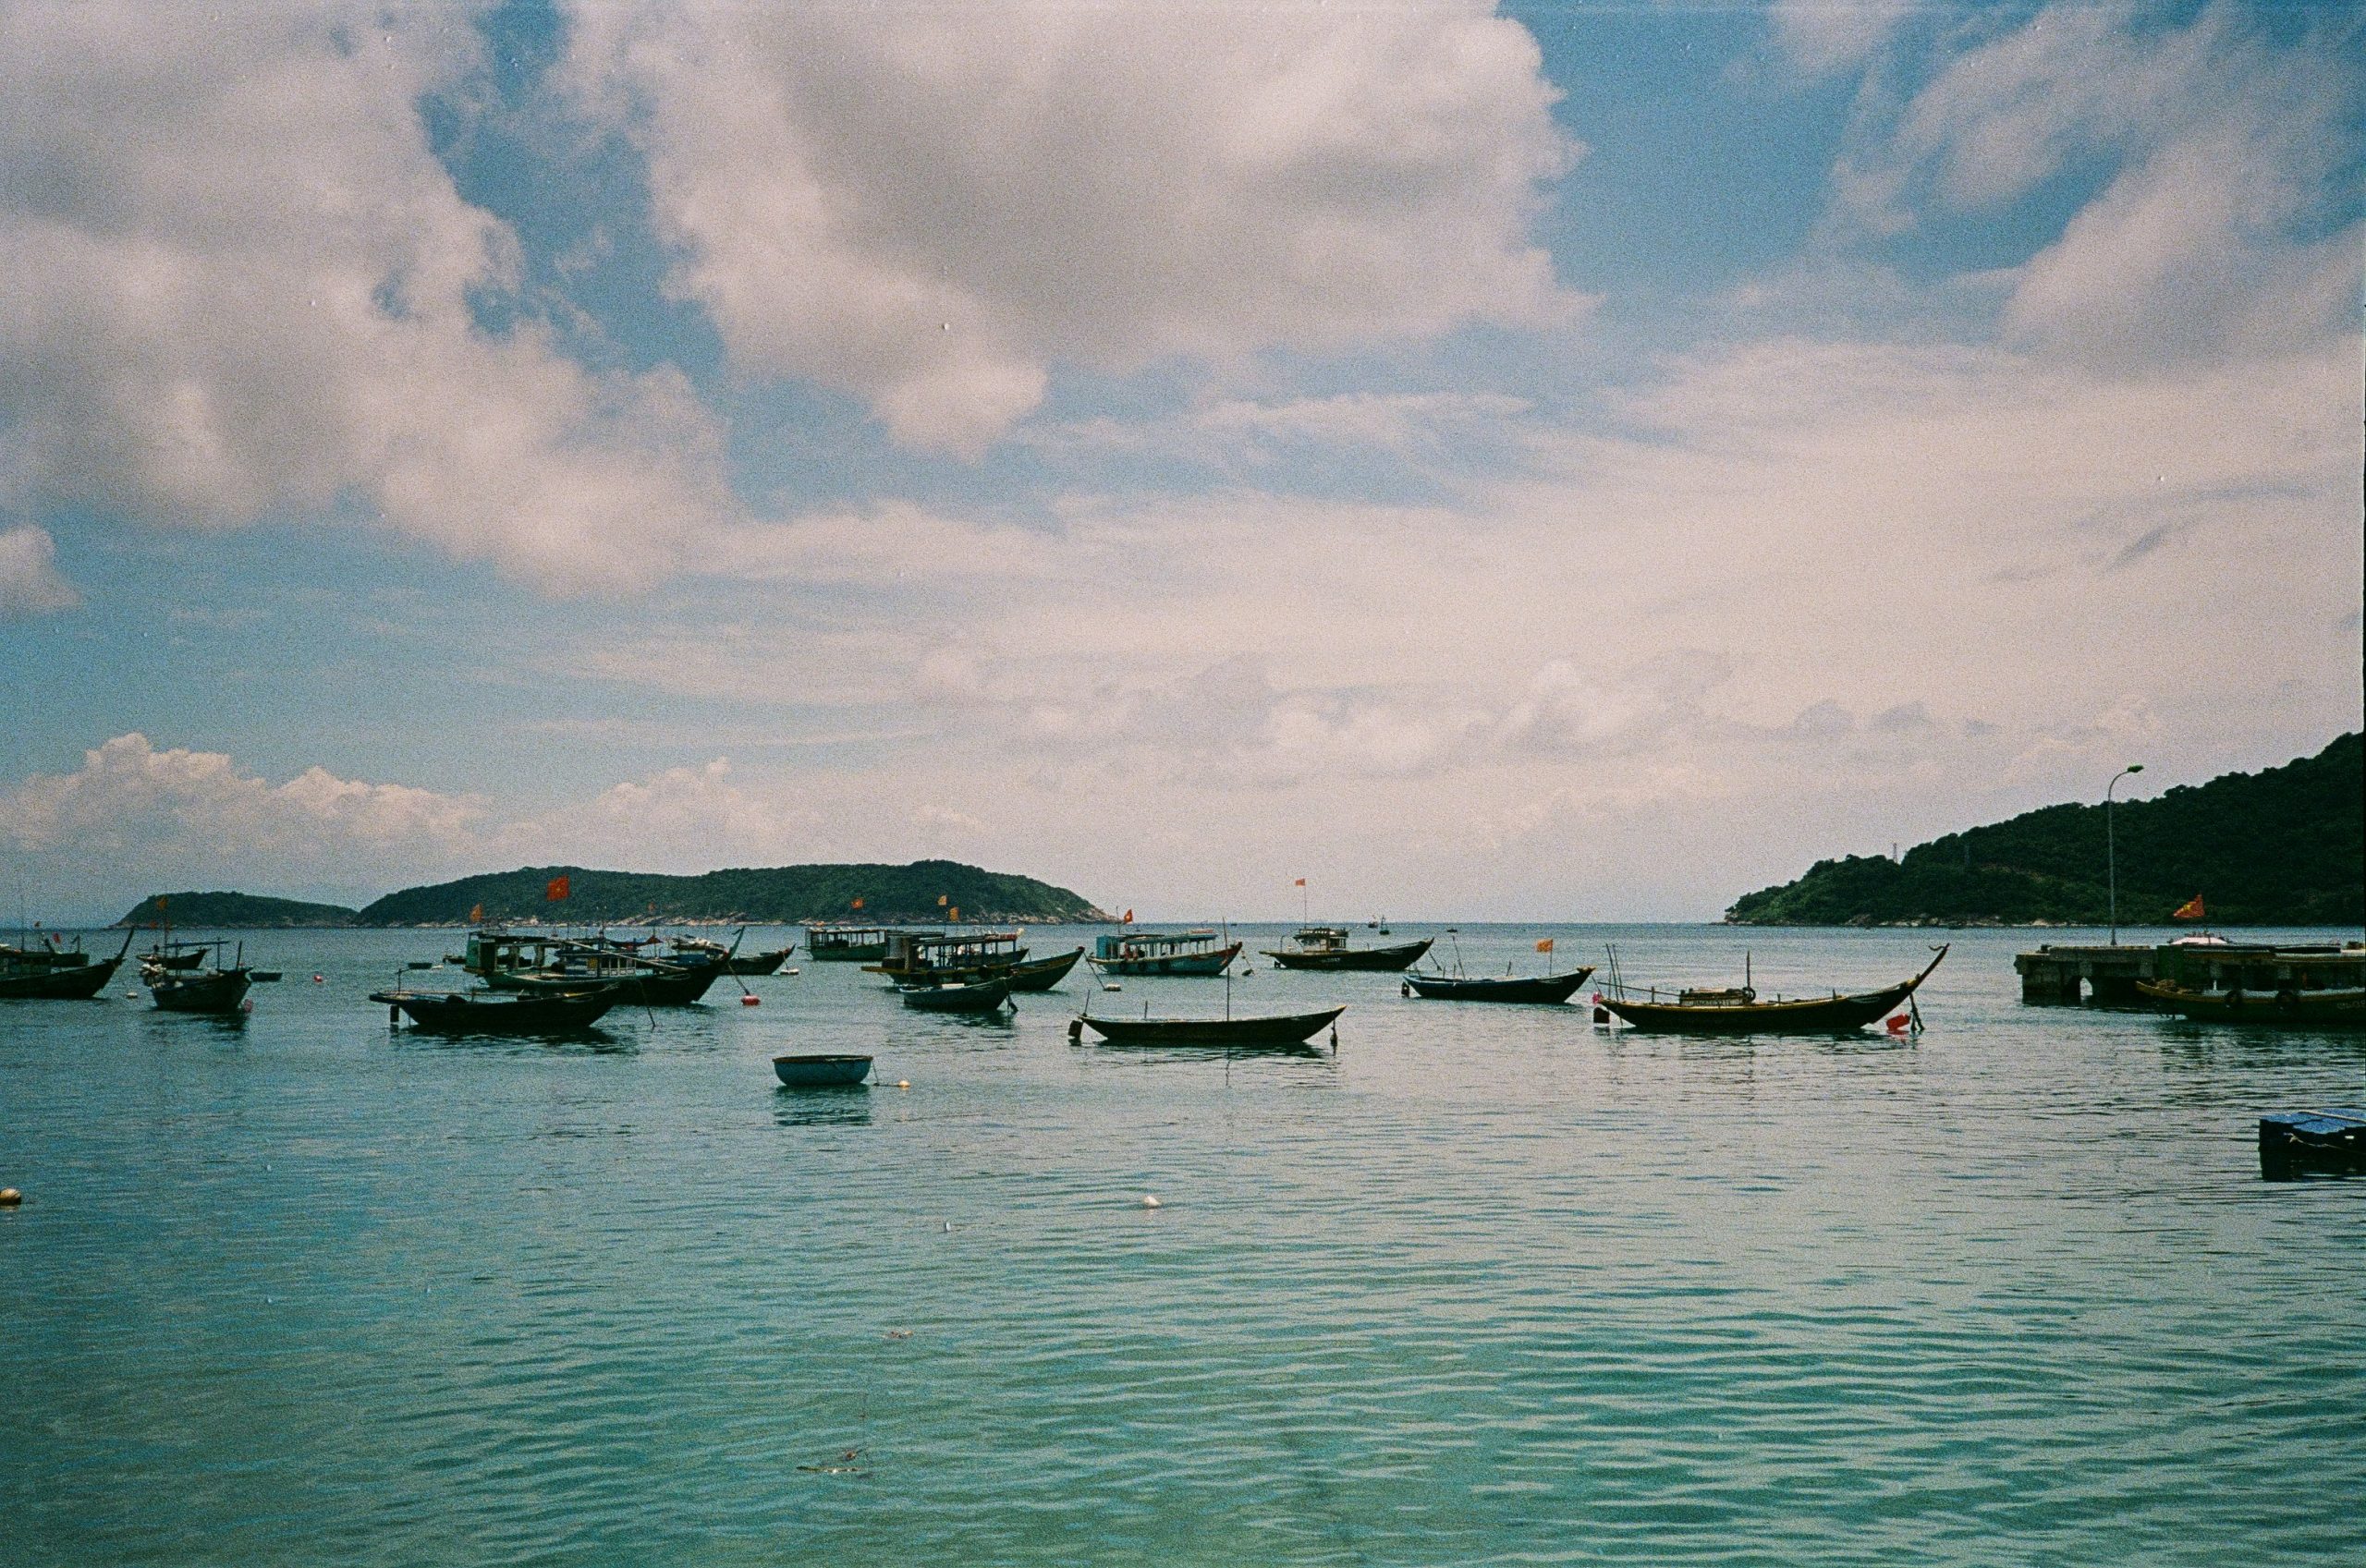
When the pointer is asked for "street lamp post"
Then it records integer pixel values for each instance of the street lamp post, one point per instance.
(2111, 846)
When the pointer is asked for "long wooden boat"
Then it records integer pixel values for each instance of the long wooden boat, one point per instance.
(691, 948)
(1495, 988)
(507, 961)
(501, 1013)
(1325, 948)
(2293, 1143)
(2288, 1008)
(1740, 1013)
(47, 974)
(1042, 974)
(1284, 1029)
(850, 944)
(176, 954)
(977, 996)
(819, 1071)
(1163, 952)
(941, 958)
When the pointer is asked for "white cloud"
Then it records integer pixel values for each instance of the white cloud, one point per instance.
(240, 284)
(182, 816)
(30, 581)
(929, 209)
(2229, 142)
(1829, 35)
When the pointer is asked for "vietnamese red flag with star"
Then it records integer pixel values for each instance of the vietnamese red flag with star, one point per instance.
(555, 890)
(2189, 910)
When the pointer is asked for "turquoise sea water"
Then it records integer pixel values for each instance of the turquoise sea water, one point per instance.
(1486, 1285)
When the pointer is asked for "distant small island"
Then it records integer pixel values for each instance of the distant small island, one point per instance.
(244, 911)
(2281, 846)
(923, 892)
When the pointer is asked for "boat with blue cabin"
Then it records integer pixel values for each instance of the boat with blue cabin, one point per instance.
(1200, 951)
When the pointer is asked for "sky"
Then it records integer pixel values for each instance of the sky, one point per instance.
(1559, 462)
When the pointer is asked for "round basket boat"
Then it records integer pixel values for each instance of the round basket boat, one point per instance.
(821, 1072)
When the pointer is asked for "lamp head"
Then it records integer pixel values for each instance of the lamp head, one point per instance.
(2136, 767)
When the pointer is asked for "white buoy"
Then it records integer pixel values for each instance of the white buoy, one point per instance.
(10, 1198)
(903, 1083)
(1112, 985)
(1150, 1200)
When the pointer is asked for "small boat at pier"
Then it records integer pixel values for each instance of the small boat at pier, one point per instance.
(1737, 1010)
(1325, 947)
(2287, 1007)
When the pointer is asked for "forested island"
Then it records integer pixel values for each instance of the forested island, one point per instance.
(245, 911)
(923, 892)
(2281, 846)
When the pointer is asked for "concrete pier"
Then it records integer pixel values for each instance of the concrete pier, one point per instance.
(2065, 975)
(2107, 976)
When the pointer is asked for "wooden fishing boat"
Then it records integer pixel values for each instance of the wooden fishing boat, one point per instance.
(1042, 974)
(508, 961)
(1738, 1011)
(1163, 952)
(2289, 1007)
(222, 989)
(2293, 1143)
(1495, 987)
(976, 996)
(50, 974)
(937, 958)
(1284, 1029)
(176, 954)
(689, 948)
(850, 945)
(821, 1071)
(1325, 947)
(500, 1013)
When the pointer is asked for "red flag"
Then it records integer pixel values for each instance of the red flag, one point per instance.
(1300, 882)
(555, 890)
(1129, 920)
(476, 914)
(2189, 910)
(858, 904)
(1545, 946)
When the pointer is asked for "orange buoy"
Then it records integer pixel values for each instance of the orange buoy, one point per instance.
(750, 999)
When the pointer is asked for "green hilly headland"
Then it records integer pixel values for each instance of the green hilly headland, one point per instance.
(2281, 846)
(923, 891)
(241, 910)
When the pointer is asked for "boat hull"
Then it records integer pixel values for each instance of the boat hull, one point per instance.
(74, 982)
(987, 996)
(760, 963)
(220, 991)
(1498, 988)
(1042, 974)
(2295, 1143)
(1381, 958)
(519, 1013)
(1287, 1029)
(1814, 1015)
(821, 1071)
(675, 987)
(2280, 1009)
